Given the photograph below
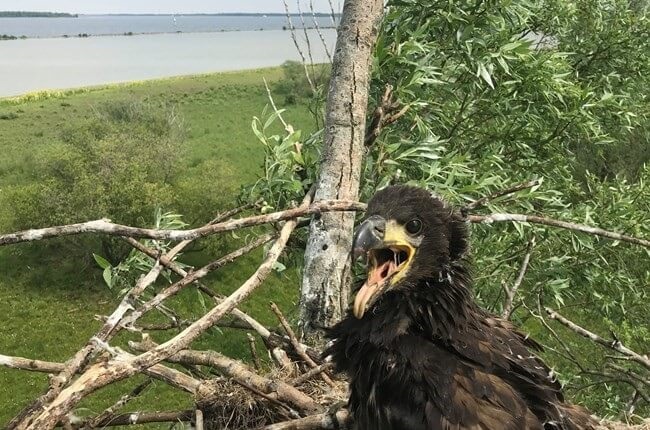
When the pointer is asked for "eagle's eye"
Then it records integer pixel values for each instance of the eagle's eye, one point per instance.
(414, 226)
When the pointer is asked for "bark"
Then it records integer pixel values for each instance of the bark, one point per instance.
(326, 280)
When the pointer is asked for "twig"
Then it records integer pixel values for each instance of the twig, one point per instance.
(291, 413)
(286, 126)
(193, 277)
(239, 372)
(297, 346)
(100, 375)
(383, 115)
(111, 411)
(133, 418)
(29, 364)
(324, 421)
(485, 199)
(292, 30)
(253, 348)
(311, 373)
(304, 30)
(512, 291)
(317, 27)
(198, 421)
(104, 226)
(534, 219)
(616, 345)
(250, 322)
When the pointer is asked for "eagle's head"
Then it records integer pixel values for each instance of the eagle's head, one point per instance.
(407, 236)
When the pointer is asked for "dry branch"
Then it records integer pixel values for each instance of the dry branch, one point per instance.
(193, 277)
(102, 374)
(615, 344)
(104, 226)
(325, 421)
(133, 418)
(241, 373)
(29, 364)
(111, 411)
(534, 219)
(511, 292)
(297, 346)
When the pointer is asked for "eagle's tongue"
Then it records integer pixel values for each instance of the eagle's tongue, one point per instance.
(366, 293)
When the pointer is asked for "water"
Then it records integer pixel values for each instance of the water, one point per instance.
(38, 64)
(118, 24)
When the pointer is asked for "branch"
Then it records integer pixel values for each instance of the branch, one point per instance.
(534, 219)
(102, 374)
(134, 418)
(297, 346)
(292, 30)
(110, 412)
(277, 389)
(317, 27)
(104, 226)
(512, 291)
(193, 277)
(311, 373)
(616, 345)
(29, 364)
(325, 421)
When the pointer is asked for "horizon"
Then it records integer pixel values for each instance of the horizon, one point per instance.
(172, 13)
(167, 7)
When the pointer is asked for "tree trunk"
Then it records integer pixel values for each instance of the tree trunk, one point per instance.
(326, 279)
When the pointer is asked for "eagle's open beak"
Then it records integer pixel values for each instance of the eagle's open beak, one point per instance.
(389, 252)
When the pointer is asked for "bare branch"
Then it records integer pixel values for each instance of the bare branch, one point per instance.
(134, 418)
(292, 30)
(102, 374)
(241, 373)
(317, 27)
(111, 411)
(253, 348)
(534, 219)
(104, 226)
(29, 364)
(325, 421)
(311, 373)
(193, 277)
(616, 345)
(512, 291)
(304, 30)
(297, 346)
(198, 422)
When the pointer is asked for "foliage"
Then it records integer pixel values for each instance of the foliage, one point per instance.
(118, 165)
(502, 92)
(136, 264)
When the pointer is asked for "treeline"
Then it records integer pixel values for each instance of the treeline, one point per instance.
(23, 14)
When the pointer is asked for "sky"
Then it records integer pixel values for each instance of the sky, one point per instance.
(163, 6)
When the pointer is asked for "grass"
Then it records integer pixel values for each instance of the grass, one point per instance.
(48, 300)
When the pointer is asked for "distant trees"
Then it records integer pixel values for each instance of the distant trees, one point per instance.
(119, 163)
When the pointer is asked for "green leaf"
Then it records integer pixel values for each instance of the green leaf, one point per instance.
(483, 73)
(101, 261)
(107, 274)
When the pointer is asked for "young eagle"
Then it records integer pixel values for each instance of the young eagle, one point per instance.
(419, 352)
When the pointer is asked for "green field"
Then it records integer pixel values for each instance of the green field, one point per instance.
(48, 298)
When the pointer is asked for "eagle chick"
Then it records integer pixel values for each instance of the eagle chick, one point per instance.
(419, 352)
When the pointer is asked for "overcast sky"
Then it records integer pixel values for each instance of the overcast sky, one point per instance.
(162, 6)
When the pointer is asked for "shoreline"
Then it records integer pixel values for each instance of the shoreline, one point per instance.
(11, 37)
(65, 92)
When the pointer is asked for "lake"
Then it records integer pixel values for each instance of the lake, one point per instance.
(30, 65)
(121, 24)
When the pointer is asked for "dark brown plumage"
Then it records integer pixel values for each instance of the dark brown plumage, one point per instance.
(420, 354)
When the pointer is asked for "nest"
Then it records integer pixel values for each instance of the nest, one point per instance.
(228, 405)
